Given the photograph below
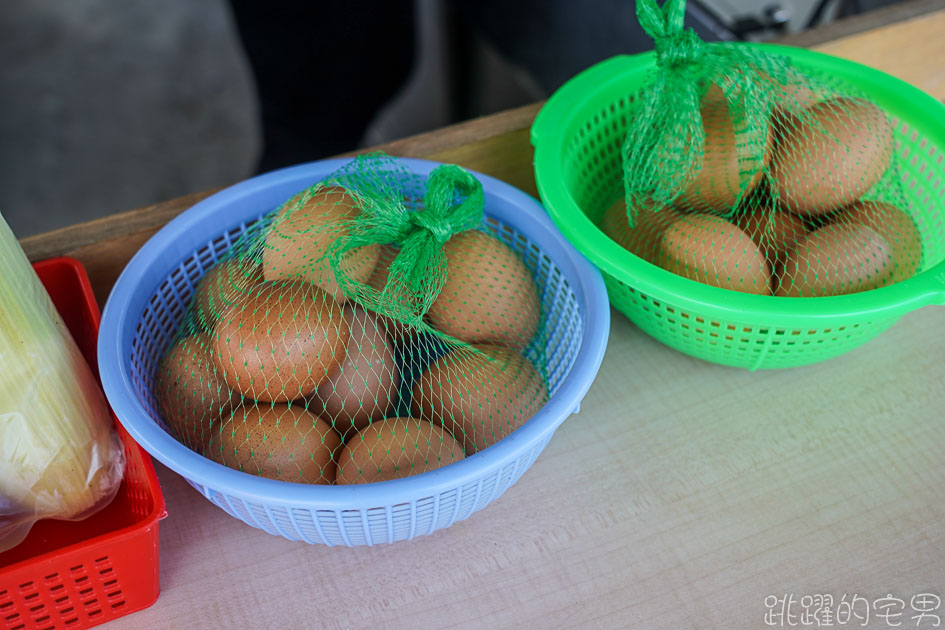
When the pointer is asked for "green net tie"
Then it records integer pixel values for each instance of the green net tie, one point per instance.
(679, 49)
(664, 146)
(452, 203)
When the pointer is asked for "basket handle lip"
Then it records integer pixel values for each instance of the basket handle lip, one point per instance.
(118, 382)
(934, 284)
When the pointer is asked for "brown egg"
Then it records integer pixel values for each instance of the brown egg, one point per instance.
(281, 341)
(191, 393)
(282, 442)
(643, 239)
(395, 448)
(831, 155)
(489, 294)
(303, 231)
(896, 227)
(716, 184)
(221, 287)
(837, 259)
(713, 251)
(361, 389)
(479, 400)
(775, 232)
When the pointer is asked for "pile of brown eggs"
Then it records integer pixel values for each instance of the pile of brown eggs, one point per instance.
(819, 215)
(281, 374)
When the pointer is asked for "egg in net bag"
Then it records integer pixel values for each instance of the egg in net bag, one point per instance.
(745, 172)
(371, 327)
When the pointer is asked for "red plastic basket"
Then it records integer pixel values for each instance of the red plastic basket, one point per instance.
(82, 574)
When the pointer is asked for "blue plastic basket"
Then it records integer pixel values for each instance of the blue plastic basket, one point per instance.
(150, 298)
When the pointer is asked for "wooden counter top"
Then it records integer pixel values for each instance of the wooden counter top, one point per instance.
(684, 495)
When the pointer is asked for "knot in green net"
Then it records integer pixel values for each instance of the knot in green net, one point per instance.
(452, 203)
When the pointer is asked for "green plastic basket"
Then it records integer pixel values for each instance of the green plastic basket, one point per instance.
(577, 138)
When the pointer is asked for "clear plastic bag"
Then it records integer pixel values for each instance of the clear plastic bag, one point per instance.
(60, 456)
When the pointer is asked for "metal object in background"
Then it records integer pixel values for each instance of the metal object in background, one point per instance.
(771, 21)
(750, 20)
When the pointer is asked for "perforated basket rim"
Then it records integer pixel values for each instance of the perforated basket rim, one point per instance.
(185, 233)
(553, 128)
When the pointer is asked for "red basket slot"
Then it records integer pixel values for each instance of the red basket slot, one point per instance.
(81, 574)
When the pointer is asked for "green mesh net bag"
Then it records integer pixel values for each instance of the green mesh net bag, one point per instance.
(371, 327)
(743, 172)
